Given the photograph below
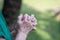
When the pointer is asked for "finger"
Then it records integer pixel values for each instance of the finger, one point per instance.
(33, 19)
(20, 17)
(34, 28)
(19, 21)
(27, 17)
(33, 22)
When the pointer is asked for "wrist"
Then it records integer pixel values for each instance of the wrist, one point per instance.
(23, 31)
(21, 36)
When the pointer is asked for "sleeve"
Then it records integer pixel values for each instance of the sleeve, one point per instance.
(4, 28)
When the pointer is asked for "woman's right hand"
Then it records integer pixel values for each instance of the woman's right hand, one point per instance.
(27, 23)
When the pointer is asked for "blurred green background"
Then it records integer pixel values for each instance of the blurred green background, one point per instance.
(44, 11)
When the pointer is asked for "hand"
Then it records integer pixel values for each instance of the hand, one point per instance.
(27, 23)
(2, 39)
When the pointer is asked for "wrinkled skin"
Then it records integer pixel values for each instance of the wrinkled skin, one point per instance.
(26, 24)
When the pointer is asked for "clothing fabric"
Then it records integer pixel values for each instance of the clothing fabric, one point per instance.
(4, 31)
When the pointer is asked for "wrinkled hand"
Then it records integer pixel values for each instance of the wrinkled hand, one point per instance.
(27, 23)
